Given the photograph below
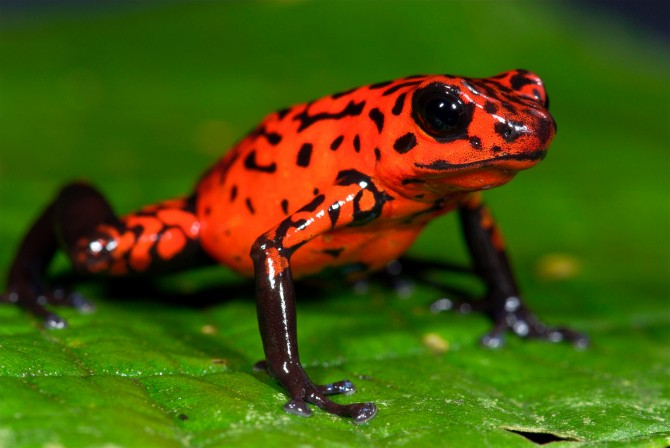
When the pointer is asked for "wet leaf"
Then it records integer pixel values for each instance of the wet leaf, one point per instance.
(136, 98)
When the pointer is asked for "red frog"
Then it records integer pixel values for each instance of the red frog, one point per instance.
(347, 181)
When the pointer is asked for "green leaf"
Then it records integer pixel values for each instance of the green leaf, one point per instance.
(142, 98)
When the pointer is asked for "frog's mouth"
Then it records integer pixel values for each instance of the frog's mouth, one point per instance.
(515, 162)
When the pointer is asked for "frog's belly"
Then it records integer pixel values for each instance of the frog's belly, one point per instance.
(368, 249)
(365, 248)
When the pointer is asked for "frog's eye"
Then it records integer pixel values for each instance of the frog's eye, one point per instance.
(440, 113)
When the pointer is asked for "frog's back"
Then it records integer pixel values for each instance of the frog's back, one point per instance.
(289, 159)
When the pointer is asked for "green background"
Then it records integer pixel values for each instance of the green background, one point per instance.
(141, 98)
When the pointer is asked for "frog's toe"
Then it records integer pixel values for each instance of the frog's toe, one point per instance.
(463, 306)
(362, 412)
(54, 322)
(495, 338)
(578, 340)
(261, 366)
(344, 387)
(299, 408)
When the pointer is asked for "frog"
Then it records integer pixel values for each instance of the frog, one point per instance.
(344, 183)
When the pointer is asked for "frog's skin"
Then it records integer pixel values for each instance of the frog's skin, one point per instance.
(346, 181)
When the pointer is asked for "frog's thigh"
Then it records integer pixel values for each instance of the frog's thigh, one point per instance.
(158, 238)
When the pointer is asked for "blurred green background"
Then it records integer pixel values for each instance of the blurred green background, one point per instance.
(141, 97)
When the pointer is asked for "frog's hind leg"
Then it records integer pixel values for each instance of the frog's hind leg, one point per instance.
(159, 238)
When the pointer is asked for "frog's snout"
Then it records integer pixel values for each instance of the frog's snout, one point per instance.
(528, 85)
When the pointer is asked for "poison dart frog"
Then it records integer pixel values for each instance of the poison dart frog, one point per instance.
(347, 181)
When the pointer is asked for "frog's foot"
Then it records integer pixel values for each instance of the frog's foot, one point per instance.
(316, 395)
(510, 314)
(359, 412)
(515, 317)
(36, 300)
(303, 392)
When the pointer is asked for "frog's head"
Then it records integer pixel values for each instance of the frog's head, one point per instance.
(465, 134)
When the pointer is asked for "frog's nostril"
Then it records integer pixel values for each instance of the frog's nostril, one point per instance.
(546, 101)
(509, 130)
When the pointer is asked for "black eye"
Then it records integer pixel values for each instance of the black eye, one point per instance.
(441, 114)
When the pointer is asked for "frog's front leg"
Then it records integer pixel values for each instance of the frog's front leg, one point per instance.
(502, 302)
(354, 200)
